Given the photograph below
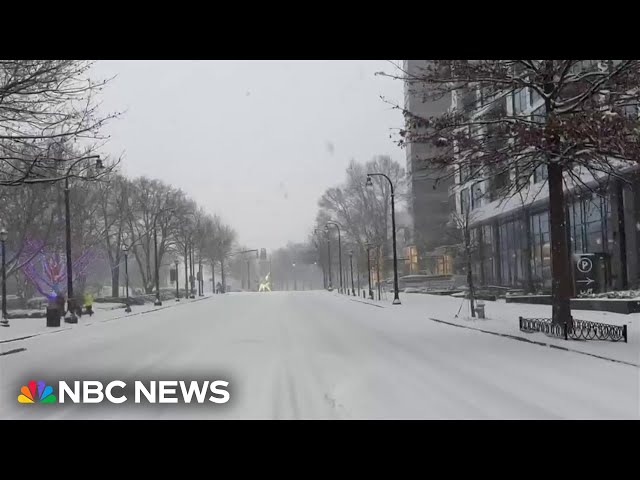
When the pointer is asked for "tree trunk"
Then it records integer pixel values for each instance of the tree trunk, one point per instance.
(560, 266)
(467, 248)
(115, 281)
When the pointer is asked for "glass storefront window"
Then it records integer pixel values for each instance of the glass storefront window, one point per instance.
(588, 223)
(511, 247)
(487, 254)
(540, 249)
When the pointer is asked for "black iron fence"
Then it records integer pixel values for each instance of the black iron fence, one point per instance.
(576, 330)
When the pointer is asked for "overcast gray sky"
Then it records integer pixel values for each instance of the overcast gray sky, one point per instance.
(255, 141)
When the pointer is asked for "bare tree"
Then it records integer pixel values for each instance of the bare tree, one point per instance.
(463, 235)
(113, 212)
(45, 104)
(215, 240)
(585, 130)
(152, 207)
(364, 213)
(227, 241)
(28, 215)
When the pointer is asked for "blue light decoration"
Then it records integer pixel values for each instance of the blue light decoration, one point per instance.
(47, 270)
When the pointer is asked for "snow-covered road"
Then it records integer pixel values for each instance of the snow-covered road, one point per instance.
(318, 355)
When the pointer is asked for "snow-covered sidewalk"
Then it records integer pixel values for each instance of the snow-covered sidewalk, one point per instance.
(21, 328)
(502, 318)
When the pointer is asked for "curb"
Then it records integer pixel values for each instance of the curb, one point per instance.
(176, 304)
(367, 303)
(34, 335)
(15, 350)
(536, 342)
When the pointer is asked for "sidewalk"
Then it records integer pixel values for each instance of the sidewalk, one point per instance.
(22, 328)
(502, 318)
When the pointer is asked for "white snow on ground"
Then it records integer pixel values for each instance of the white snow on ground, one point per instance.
(503, 318)
(323, 355)
(22, 327)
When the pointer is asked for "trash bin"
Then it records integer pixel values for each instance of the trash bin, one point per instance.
(53, 317)
(480, 309)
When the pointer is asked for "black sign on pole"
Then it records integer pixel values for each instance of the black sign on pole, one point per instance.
(586, 277)
(172, 275)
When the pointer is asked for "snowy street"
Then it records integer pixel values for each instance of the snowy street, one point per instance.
(319, 355)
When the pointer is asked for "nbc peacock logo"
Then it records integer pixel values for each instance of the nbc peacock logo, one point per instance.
(36, 392)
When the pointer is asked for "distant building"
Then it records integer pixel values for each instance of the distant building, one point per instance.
(429, 204)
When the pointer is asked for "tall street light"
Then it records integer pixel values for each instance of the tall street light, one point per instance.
(318, 244)
(213, 276)
(158, 302)
(72, 318)
(369, 184)
(295, 280)
(222, 278)
(125, 250)
(358, 270)
(191, 275)
(200, 279)
(378, 255)
(186, 270)
(369, 247)
(353, 288)
(5, 317)
(339, 251)
(177, 262)
(326, 232)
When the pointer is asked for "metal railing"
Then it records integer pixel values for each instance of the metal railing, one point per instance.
(578, 330)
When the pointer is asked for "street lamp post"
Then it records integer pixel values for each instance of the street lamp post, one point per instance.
(186, 270)
(201, 279)
(70, 307)
(369, 246)
(358, 270)
(5, 317)
(353, 289)
(72, 318)
(157, 303)
(378, 255)
(318, 244)
(213, 276)
(125, 250)
(346, 280)
(339, 251)
(295, 280)
(329, 259)
(222, 278)
(177, 262)
(192, 278)
(396, 297)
